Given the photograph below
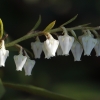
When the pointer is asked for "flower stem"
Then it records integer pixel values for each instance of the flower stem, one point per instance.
(25, 37)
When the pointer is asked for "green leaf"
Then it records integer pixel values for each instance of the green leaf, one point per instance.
(83, 25)
(2, 89)
(73, 33)
(40, 92)
(37, 23)
(49, 27)
(1, 29)
(69, 21)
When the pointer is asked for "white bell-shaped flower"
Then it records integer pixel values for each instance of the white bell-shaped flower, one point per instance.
(3, 54)
(66, 42)
(59, 51)
(85, 34)
(46, 53)
(88, 43)
(29, 64)
(76, 50)
(20, 61)
(97, 47)
(37, 48)
(50, 46)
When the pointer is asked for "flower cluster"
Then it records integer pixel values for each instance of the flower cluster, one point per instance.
(25, 62)
(67, 43)
(51, 47)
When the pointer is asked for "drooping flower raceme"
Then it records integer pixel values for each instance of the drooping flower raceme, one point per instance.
(50, 46)
(3, 54)
(20, 60)
(88, 42)
(66, 42)
(37, 48)
(29, 64)
(76, 50)
(97, 47)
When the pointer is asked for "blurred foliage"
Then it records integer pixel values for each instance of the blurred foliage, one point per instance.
(2, 89)
(79, 90)
(57, 74)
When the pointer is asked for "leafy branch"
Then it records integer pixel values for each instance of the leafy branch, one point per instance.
(34, 34)
(49, 29)
(37, 91)
(69, 21)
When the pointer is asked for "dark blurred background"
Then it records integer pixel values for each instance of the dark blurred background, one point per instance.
(59, 74)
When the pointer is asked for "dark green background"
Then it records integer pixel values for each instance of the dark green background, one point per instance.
(59, 74)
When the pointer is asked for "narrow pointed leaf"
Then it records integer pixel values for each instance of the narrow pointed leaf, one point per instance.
(69, 21)
(83, 25)
(40, 92)
(1, 29)
(37, 23)
(2, 89)
(49, 27)
(73, 33)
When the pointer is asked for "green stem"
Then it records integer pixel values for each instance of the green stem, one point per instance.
(73, 33)
(51, 31)
(95, 33)
(37, 91)
(21, 39)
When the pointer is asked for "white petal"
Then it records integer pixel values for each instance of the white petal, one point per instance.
(19, 61)
(97, 47)
(3, 57)
(66, 42)
(50, 47)
(47, 54)
(59, 51)
(29, 66)
(77, 51)
(37, 48)
(85, 34)
(88, 44)
(3, 54)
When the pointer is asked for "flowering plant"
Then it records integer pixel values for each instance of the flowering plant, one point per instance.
(63, 45)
